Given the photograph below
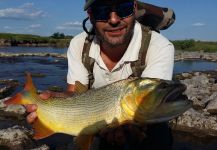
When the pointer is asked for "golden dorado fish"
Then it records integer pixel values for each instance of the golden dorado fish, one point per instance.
(138, 100)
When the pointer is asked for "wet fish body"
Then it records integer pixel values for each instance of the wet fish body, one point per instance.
(139, 100)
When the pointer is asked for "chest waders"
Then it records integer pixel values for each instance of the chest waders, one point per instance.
(136, 66)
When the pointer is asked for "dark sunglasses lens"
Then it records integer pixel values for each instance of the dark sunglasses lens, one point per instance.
(101, 13)
(125, 9)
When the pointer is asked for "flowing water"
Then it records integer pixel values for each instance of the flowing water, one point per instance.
(54, 70)
(194, 65)
(51, 71)
(32, 50)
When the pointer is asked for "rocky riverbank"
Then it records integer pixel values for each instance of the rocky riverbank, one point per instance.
(184, 55)
(200, 121)
(32, 55)
(7, 87)
(179, 55)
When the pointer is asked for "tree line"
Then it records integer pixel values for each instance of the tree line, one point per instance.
(192, 45)
(58, 39)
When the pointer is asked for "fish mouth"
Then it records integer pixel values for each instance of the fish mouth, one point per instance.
(175, 93)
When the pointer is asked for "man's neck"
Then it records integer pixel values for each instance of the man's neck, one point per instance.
(115, 53)
(111, 55)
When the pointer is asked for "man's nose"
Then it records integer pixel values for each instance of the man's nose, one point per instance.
(114, 18)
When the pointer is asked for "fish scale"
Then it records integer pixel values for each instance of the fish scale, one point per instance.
(100, 107)
(142, 100)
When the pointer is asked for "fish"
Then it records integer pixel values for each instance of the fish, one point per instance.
(137, 100)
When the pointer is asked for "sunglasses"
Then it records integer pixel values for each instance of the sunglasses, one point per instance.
(102, 12)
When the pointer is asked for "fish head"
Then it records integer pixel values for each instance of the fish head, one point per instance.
(157, 90)
(143, 97)
(150, 89)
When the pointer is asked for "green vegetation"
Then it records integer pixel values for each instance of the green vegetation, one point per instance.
(60, 40)
(58, 35)
(56, 40)
(192, 45)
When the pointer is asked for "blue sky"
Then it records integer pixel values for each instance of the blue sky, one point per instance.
(195, 19)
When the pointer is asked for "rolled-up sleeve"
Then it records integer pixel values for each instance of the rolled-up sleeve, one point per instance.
(76, 70)
(160, 58)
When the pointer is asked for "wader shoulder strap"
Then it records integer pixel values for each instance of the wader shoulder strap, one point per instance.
(139, 65)
(88, 61)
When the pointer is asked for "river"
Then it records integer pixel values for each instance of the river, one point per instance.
(52, 71)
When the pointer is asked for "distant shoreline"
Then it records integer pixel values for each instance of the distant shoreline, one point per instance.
(54, 43)
(198, 55)
(179, 55)
(60, 40)
(56, 40)
(28, 45)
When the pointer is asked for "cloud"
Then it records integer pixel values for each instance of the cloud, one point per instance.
(199, 24)
(7, 27)
(27, 5)
(10, 12)
(70, 26)
(23, 12)
(73, 24)
(37, 14)
(35, 26)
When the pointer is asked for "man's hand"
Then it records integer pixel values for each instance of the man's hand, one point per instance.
(31, 108)
(123, 135)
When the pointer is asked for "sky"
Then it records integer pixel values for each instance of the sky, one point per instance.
(195, 19)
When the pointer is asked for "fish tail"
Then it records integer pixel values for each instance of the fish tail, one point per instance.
(40, 130)
(14, 100)
(24, 97)
(29, 86)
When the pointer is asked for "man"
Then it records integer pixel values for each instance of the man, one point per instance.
(116, 44)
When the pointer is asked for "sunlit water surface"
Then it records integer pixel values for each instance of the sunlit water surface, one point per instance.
(54, 71)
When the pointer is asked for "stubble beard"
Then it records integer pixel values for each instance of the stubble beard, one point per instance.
(116, 41)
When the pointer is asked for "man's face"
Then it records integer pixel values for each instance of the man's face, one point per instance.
(113, 22)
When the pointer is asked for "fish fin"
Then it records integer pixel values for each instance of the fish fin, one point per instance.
(114, 123)
(41, 131)
(17, 99)
(29, 86)
(80, 88)
(23, 97)
(84, 141)
(166, 112)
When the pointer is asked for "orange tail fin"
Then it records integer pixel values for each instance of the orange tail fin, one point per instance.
(41, 131)
(29, 86)
(17, 99)
(24, 97)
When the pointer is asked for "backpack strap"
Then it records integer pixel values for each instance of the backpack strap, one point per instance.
(139, 65)
(155, 17)
(87, 61)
